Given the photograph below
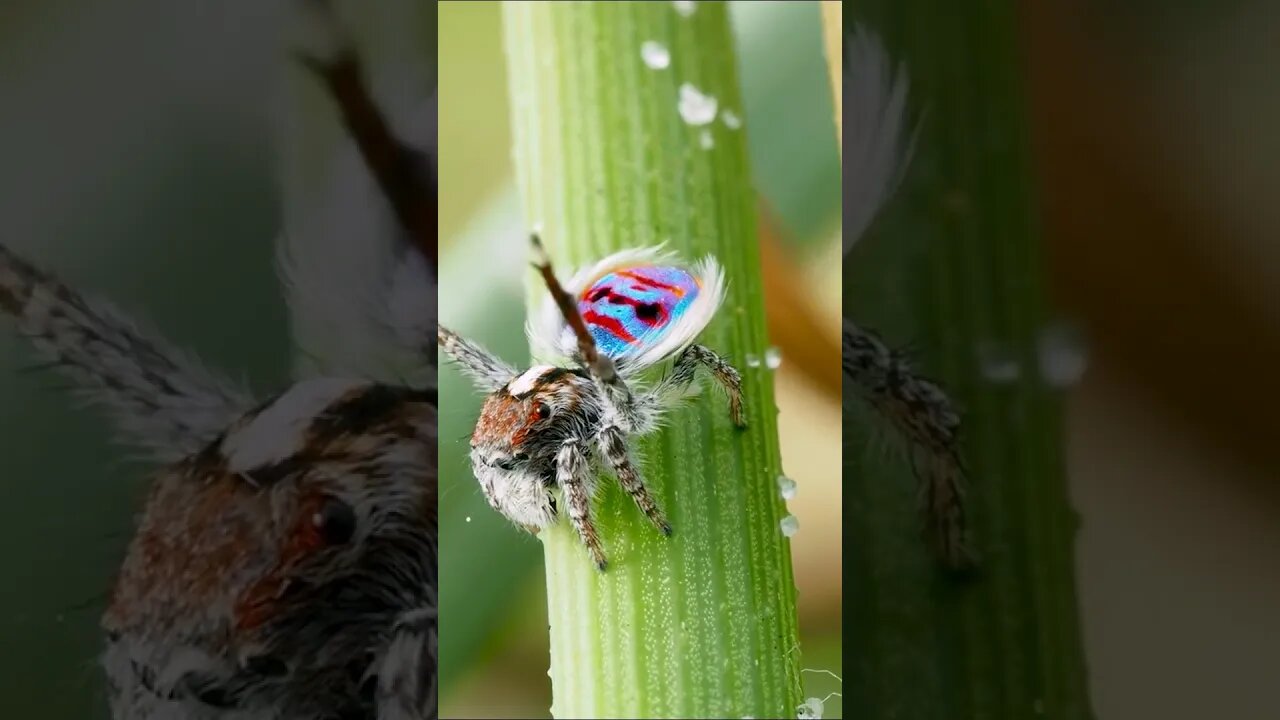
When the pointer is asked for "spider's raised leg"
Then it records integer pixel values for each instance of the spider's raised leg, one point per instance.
(921, 413)
(486, 370)
(600, 366)
(405, 174)
(695, 356)
(573, 476)
(407, 674)
(942, 501)
(613, 446)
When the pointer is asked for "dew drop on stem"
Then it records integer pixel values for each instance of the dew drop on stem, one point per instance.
(786, 487)
(655, 55)
(790, 525)
(696, 108)
(772, 358)
(998, 363)
(1063, 356)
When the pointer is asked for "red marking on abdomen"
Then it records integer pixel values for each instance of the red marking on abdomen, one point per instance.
(610, 324)
(650, 282)
(614, 298)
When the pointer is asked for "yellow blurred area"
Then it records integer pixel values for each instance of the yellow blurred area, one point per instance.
(1158, 163)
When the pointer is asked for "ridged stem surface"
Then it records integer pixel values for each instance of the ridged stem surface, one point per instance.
(954, 269)
(702, 624)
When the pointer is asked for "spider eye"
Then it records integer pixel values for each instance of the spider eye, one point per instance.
(543, 410)
(335, 521)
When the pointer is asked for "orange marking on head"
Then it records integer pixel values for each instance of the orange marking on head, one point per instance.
(501, 416)
(194, 535)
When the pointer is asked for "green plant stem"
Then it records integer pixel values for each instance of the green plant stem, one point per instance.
(955, 267)
(702, 624)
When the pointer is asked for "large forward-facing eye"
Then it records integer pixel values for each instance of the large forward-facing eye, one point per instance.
(335, 521)
(542, 410)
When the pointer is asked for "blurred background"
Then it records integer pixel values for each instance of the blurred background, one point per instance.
(138, 163)
(1153, 130)
(1156, 165)
(152, 152)
(494, 646)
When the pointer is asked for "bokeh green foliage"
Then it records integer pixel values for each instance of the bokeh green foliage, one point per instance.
(132, 178)
(142, 166)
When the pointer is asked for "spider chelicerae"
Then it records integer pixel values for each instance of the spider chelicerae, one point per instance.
(555, 427)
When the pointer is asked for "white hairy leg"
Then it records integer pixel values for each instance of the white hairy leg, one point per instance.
(159, 399)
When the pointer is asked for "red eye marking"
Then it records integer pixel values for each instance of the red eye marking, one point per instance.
(257, 604)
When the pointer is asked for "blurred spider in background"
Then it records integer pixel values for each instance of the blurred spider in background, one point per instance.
(284, 564)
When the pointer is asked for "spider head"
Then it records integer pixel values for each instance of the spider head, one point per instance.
(523, 424)
(283, 552)
(521, 428)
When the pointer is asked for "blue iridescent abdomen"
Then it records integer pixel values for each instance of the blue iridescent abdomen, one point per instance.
(633, 308)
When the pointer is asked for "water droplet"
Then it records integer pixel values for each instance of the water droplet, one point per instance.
(1062, 354)
(998, 363)
(753, 361)
(790, 525)
(696, 108)
(810, 710)
(468, 518)
(685, 7)
(705, 141)
(772, 358)
(787, 487)
(655, 55)
(730, 119)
